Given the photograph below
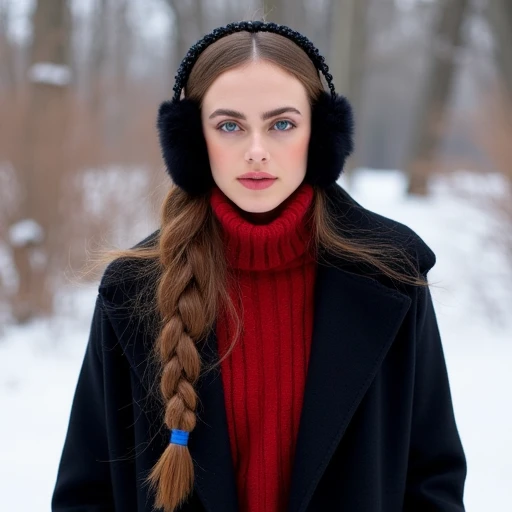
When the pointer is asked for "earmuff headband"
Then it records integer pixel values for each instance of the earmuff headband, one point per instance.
(249, 26)
(182, 139)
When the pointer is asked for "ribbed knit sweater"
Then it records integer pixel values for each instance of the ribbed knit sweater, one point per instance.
(264, 376)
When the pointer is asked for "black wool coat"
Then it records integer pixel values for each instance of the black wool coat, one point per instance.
(377, 431)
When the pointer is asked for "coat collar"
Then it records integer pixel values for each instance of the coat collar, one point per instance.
(356, 319)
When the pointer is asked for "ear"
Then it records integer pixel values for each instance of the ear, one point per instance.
(183, 145)
(331, 140)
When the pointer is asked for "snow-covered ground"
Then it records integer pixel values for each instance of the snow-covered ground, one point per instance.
(39, 363)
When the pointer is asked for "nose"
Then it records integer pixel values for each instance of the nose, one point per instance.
(256, 151)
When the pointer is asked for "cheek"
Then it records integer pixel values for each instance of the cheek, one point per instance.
(297, 150)
(218, 153)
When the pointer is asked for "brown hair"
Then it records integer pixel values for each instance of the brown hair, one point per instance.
(188, 261)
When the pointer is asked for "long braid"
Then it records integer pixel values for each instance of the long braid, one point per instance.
(184, 300)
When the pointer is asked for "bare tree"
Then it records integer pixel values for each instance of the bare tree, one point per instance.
(7, 53)
(121, 51)
(433, 100)
(98, 56)
(190, 23)
(40, 161)
(348, 52)
(499, 14)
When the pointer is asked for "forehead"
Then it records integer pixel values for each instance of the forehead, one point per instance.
(255, 84)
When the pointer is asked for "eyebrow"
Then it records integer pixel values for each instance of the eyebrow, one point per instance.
(264, 116)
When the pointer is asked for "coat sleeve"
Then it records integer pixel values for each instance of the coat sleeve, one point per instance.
(83, 478)
(437, 464)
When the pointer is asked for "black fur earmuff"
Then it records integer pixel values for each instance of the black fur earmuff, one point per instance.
(181, 135)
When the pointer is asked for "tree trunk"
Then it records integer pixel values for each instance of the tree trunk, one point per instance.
(123, 43)
(40, 162)
(97, 60)
(7, 55)
(430, 119)
(499, 14)
(189, 26)
(348, 50)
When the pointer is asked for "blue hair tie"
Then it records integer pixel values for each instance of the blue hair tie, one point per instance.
(179, 437)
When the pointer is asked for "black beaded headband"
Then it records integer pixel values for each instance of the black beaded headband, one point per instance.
(249, 26)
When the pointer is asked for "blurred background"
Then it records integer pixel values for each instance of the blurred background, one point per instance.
(81, 171)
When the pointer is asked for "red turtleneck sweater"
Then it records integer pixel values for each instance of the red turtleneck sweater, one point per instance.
(264, 376)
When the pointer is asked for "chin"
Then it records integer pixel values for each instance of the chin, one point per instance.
(258, 201)
(258, 205)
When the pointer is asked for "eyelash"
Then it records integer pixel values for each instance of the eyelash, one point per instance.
(293, 126)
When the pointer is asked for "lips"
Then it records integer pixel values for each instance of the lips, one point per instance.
(256, 175)
(257, 183)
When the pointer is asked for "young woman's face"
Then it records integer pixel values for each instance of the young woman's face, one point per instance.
(257, 118)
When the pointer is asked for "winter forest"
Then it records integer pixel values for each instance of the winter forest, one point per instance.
(81, 172)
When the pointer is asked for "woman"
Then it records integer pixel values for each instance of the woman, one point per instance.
(273, 346)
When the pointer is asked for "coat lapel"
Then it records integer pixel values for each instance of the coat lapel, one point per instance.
(355, 323)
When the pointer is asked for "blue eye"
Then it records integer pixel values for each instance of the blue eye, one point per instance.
(230, 126)
(225, 124)
(284, 121)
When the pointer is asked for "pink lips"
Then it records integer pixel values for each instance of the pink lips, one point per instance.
(256, 174)
(257, 184)
(257, 180)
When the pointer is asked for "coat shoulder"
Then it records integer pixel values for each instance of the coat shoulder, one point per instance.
(409, 240)
(125, 278)
(356, 220)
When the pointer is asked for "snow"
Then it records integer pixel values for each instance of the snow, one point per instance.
(39, 362)
(39, 365)
(25, 232)
(50, 73)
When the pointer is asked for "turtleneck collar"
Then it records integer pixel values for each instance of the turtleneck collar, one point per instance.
(280, 243)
